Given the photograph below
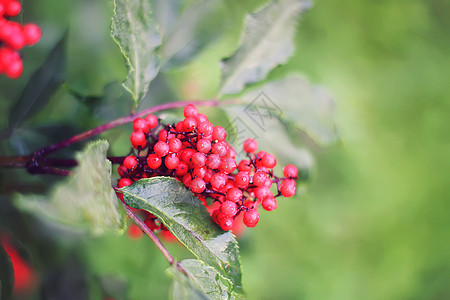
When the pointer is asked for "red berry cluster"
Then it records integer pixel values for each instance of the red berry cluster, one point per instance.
(13, 37)
(195, 152)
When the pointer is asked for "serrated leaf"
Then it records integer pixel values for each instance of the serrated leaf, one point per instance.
(201, 278)
(267, 42)
(6, 275)
(85, 199)
(187, 219)
(41, 86)
(135, 32)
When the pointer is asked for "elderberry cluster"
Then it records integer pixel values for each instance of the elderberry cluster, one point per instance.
(13, 37)
(195, 152)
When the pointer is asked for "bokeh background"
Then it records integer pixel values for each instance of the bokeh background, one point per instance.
(371, 223)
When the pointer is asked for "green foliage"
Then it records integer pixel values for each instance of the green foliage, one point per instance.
(86, 199)
(267, 42)
(188, 28)
(186, 217)
(41, 86)
(136, 33)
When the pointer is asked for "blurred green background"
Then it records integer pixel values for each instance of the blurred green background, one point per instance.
(374, 222)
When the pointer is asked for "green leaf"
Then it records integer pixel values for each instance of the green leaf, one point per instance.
(6, 275)
(187, 219)
(267, 42)
(84, 200)
(135, 32)
(298, 104)
(203, 282)
(41, 86)
(188, 30)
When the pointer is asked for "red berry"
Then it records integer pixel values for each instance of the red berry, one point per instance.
(161, 148)
(124, 182)
(186, 155)
(259, 178)
(220, 148)
(208, 175)
(181, 169)
(250, 145)
(187, 179)
(261, 193)
(154, 161)
(140, 124)
(288, 188)
(228, 209)
(245, 166)
(165, 136)
(190, 111)
(122, 170)
(269, 161)
(14, 69)
(228, 165)
(234, 194)
(179, 127)
(138, 139)
(198, 185)
(242, 179)
(13, 8)
(175, 145)
(32, 33)
(218, 181)
(251, 218)
(213, 161)
(203, 145)
(152, 121)
(198, 159)
(290, 171)
(171, 161)
(249, 204)
(201, 118)
(231, 152)
(199, 172)
(219, 133)
(225, 223)
(189, 124)
(268, 183)
(205, 128)
(17, 40)
(134, 231)
(269, 203)
(130, 162)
